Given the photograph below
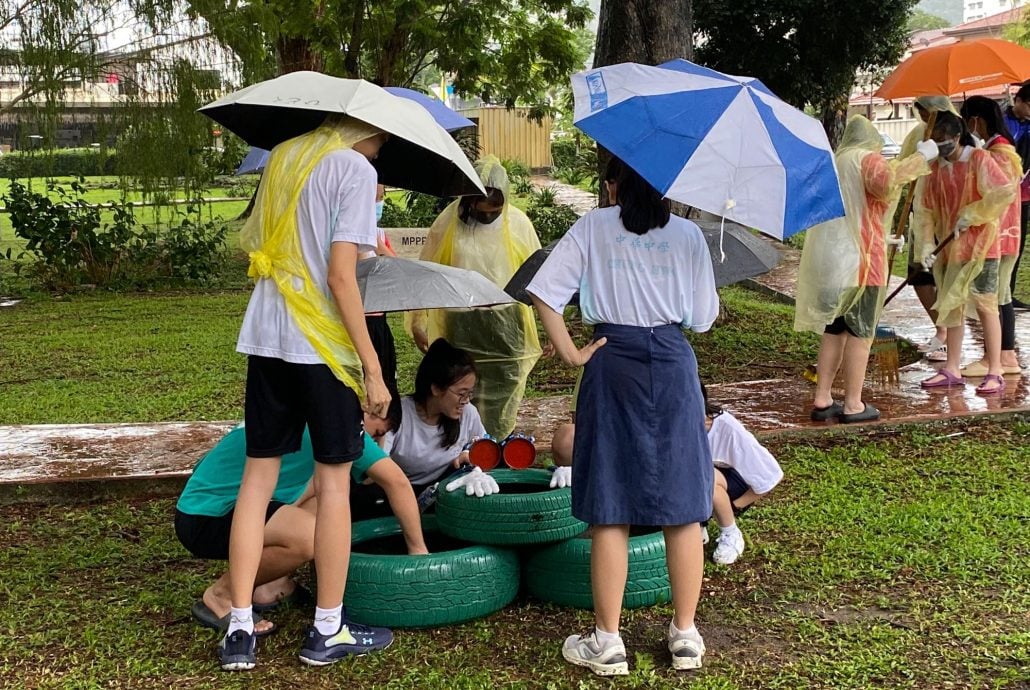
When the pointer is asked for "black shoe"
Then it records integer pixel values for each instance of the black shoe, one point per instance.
(822, 414)
(869, 414)
(1020, 305)
(236, 652)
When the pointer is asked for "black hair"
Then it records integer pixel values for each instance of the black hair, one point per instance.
(1024, 92)
(493, 195)
(711, 409)
(990, 112)
(642, 206)
(442, 366)
(951, 125)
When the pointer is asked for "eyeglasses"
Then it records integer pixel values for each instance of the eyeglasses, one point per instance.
(463, 397)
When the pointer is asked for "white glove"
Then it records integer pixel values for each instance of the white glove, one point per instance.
(928, 149)
(961, 225)
(929, 260)
(561, 477)
(475, 482)
(897, 242)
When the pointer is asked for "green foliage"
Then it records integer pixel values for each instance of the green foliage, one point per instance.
(72, 246)
(806, 51)
(505, 51)
(417, 211)
(575, 160)
(924, 21)
(550, 219)
(518, 176)
(81, 162)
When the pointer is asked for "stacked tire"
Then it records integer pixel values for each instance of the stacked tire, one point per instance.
(481, 574)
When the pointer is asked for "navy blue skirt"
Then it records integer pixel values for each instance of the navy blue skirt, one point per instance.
(641, 454)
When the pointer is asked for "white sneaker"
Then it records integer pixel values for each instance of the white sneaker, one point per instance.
(729, 547)
(687, 650)
(930, 345)
(584, 650)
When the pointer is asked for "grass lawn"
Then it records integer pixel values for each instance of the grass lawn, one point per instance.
(73, 359)
(890, 561)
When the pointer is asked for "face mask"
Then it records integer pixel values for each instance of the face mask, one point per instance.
(946, 148)
(379, 211)
(484, 217)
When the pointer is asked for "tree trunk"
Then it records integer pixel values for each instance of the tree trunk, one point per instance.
(834, 115)
(649, 32)
(295, 53)
(352, 64)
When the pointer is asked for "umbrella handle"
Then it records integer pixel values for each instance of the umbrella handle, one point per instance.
(910, 194)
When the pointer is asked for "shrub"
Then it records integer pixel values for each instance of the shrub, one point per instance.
(81, 162)
(518, 176)
(72, 246)
(417, 211)
(550, 219)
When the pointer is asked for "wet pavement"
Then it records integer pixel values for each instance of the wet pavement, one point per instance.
(580, 201)
(89, 455)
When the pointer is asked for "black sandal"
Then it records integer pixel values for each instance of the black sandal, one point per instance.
(823, 414)
(869, 414)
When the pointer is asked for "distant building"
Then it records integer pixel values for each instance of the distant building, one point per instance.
(978, 9)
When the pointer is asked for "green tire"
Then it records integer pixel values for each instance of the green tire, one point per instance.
(511, 519)
(422, 591)
(560, 573)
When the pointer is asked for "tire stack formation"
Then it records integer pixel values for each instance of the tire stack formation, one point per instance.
(481, 575)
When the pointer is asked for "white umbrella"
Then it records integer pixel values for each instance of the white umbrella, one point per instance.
(420, 155)
(392, 284)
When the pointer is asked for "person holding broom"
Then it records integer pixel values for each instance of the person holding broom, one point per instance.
(844, 271)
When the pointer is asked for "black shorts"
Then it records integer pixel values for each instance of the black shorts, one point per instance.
(283, 397)
(386, 350)
(208, 537)
(735, 486)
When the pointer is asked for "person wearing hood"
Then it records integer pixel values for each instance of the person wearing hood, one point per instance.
(934, 349)
(489, 235)
(843, 274)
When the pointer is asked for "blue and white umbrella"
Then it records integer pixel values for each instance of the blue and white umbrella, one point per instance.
(720, 143)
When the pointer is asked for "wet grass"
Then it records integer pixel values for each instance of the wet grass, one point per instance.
(149, 357)
(893, 559)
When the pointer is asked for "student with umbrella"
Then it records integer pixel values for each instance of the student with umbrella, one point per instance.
(641, 454)
(844, 271)
(490, 236)
(310, 357)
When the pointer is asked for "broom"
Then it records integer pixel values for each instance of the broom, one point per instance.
(884, 355)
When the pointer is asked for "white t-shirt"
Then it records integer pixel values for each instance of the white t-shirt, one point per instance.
(415, 446)
(734, 446)
(662, 277)
(337, 204)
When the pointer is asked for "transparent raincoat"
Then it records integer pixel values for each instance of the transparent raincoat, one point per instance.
(271, 237)
(502, 340)
(1004, 154)
(844, 268)
(976, 191)
(932, 104)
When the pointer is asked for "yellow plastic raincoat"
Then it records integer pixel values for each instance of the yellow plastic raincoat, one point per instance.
(271, 237)
(844, 268)
(502, 340)
(977, 191)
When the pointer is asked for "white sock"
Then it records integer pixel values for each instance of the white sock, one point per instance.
(732, 529)
(675, 632)
(241, 619)
(604, 638)
(327, 621)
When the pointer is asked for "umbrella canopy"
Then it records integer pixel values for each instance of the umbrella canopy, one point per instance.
(391, 284)
(256, 158)
(420, 154)
(958, 67)
(746, 256)
(720, 143)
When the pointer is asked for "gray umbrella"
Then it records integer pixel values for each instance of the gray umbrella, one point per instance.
(392, 284)
(746, 256)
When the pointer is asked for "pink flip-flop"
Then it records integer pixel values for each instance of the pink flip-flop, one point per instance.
(947, 381)
(982, 390)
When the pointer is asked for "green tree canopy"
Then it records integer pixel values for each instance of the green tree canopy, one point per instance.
(924, 21)
(807, 51)
(505, 51)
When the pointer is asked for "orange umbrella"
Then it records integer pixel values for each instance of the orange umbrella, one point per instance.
(956, 68)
